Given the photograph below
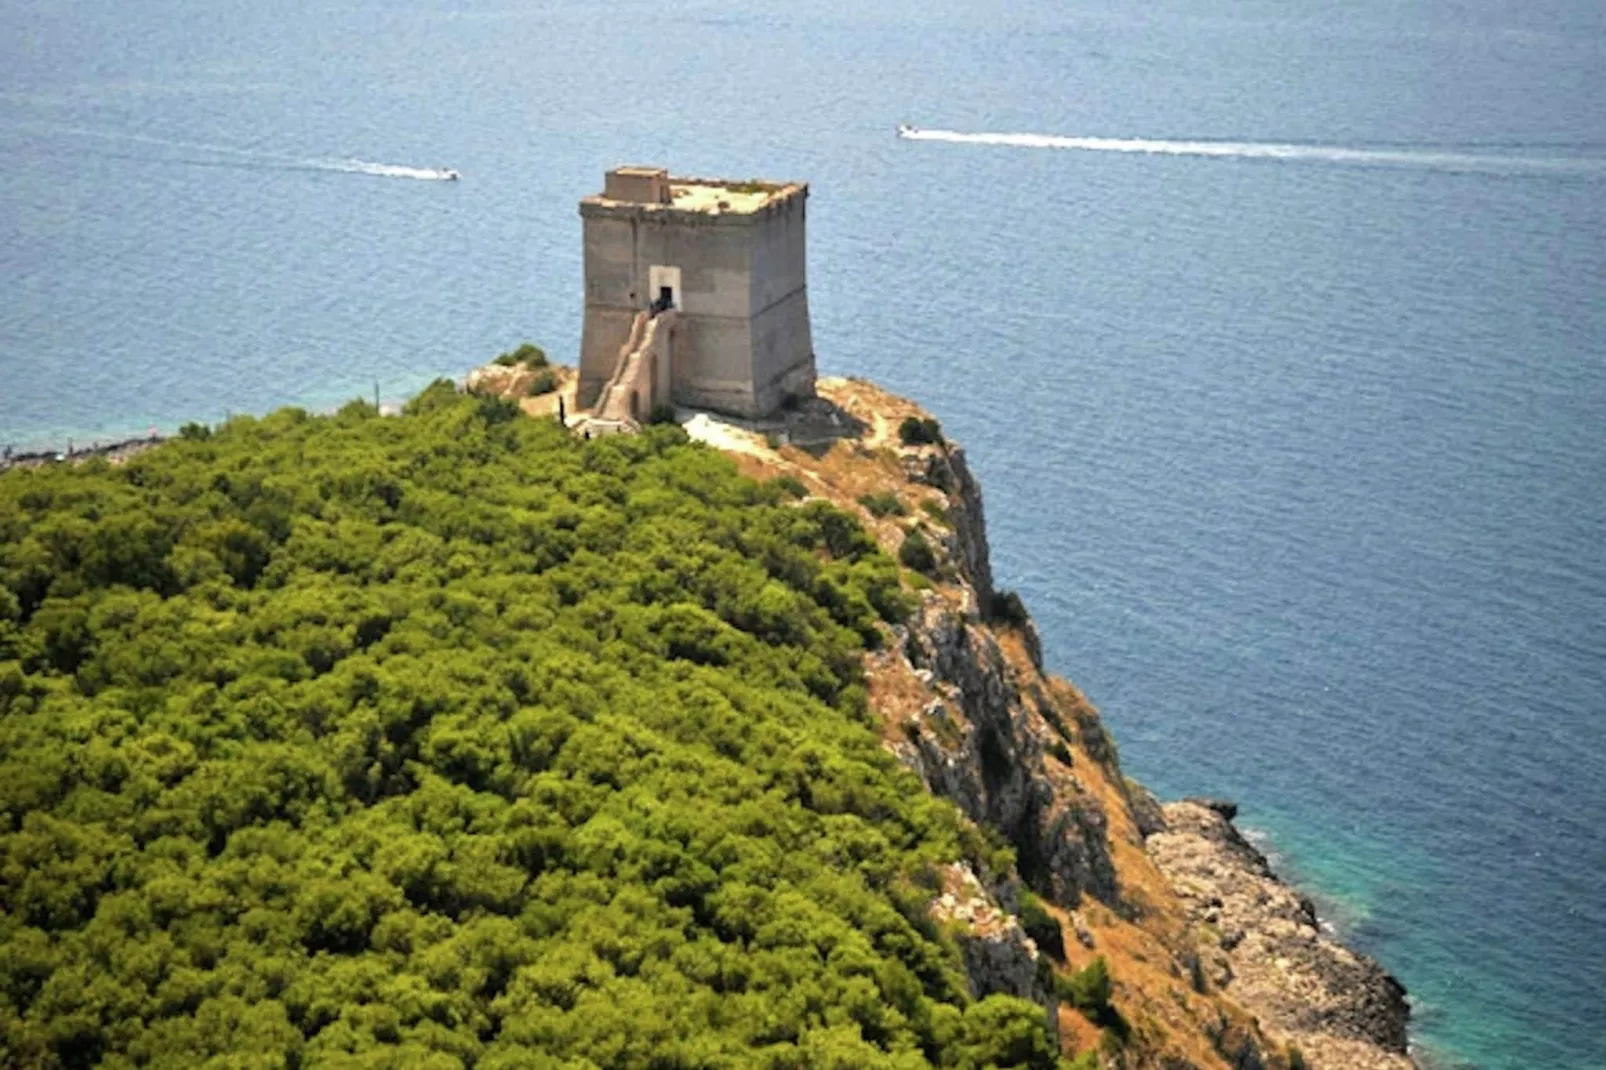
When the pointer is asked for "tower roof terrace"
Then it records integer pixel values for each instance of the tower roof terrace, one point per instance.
(655, 188)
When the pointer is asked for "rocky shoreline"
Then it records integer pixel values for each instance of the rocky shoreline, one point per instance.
(120, 450)
(1261, 942)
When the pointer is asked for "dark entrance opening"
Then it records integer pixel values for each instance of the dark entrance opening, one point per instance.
(666, 300)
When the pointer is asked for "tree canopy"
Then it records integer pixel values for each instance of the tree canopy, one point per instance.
(445, 740)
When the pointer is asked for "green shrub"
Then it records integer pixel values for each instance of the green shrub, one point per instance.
(1006, 607)
(497, 410)
(544, 382)
(935, 509)
(914, 431)
(883, 504)
(1000, 1032)
(1042, 927)
(532, 355)
(661, 414)
(791, 486)
(1296, 1058)
(1088, 989)
(916, 553)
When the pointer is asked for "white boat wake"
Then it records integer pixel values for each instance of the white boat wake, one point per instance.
(1430, 159)
(230, 156)
(385, 170)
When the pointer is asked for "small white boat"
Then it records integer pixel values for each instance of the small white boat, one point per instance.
(904, 130)
(450, 175)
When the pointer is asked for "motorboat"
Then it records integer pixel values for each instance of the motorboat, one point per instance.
(905, 130)
(450, 175)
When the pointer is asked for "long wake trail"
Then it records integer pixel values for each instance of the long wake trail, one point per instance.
(1434, 159)
(229, 156)
(382, 170)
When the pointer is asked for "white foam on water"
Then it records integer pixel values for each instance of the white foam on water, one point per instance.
(383, 170)
(1431, 159)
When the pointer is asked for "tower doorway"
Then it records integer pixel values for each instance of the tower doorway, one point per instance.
(663, 286)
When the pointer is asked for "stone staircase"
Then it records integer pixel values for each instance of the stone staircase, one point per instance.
(640, 379)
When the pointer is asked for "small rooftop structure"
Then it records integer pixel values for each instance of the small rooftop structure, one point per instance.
(637, 185)
(728, 258)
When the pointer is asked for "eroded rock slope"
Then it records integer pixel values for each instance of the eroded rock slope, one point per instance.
(1214, 962)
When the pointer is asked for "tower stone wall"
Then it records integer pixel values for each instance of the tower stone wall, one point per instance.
(732, 256)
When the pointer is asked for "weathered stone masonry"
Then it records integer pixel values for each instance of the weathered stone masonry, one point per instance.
(728, 257)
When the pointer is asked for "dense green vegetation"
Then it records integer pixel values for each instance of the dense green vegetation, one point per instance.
(446, 740)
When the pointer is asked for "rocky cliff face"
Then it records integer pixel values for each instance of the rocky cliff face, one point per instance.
(1214, 962)
(999, 956)
(982, 742)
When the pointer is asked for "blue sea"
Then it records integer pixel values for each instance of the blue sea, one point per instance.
(1276, 331)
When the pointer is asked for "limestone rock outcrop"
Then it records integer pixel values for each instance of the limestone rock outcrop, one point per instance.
(999, 956)
(1265, 946)
(982, 744)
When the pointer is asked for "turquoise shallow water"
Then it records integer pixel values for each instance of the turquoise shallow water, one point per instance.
(1294, 442)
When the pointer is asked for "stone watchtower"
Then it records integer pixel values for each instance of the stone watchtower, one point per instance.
(695, 295)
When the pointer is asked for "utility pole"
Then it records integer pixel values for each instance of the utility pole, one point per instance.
(376, 397)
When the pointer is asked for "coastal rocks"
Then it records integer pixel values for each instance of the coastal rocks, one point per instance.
(1146, 810)
(550, 383)
(116, 452)
(999, 957)
(1261, 942)
(1227, 809)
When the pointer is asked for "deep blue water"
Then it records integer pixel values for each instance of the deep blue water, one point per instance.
(1300, 460)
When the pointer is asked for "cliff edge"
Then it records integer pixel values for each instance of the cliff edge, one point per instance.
(1210, 960)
